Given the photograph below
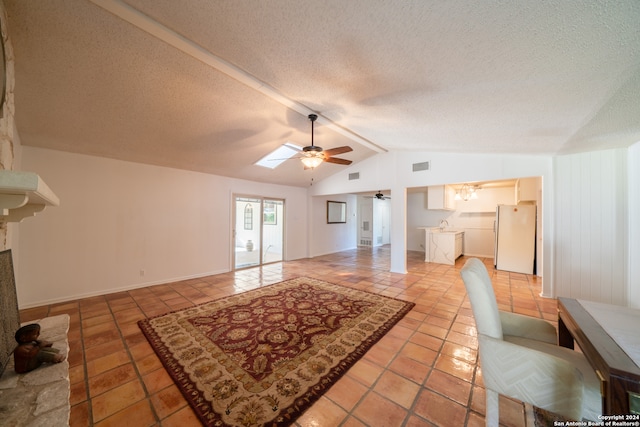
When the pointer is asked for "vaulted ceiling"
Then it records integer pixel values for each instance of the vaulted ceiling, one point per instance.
(213, 86)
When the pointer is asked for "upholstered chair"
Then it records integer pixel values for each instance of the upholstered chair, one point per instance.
(520, 358)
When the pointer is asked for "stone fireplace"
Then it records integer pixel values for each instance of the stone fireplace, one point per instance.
(9, 314)
(41, 396)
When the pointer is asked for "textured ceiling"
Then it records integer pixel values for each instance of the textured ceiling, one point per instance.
(213, 86)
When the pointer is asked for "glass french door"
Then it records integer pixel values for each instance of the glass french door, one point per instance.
(258, 236)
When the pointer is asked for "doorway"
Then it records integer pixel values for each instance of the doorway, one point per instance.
(373, 220)
(258, 235)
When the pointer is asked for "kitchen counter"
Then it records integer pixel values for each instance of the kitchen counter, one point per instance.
(443, 246)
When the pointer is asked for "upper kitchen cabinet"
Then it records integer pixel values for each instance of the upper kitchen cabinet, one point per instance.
(441, 197)
(527, 190)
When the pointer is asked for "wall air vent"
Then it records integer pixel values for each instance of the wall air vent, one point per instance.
(355, 175)
(424, 166)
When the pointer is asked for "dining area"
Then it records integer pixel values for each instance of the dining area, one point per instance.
(609, 337)
(596, 381)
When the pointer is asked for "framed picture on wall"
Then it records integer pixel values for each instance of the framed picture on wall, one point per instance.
(336, 212)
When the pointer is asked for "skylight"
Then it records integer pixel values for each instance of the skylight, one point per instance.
(279, 155)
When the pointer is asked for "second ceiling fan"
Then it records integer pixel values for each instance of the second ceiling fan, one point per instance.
(379, 196)
(313, 156)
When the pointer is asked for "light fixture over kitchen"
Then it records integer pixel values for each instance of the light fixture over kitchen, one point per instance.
(467, 192)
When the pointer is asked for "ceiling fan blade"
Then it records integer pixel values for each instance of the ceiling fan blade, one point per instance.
(338, 161)
(337, 150)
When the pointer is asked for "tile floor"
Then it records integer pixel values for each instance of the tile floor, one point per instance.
(424, 372)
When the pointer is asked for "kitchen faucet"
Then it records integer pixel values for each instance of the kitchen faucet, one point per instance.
(443, 224)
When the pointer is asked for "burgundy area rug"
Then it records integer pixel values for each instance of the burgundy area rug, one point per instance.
(264, 356)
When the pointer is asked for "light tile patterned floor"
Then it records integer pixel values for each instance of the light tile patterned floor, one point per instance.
(424, 372)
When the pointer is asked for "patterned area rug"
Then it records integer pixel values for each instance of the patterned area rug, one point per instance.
(264, 356)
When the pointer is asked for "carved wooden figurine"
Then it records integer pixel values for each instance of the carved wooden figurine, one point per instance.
(32, 352)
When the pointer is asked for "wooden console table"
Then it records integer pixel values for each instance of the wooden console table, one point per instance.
(618, 373)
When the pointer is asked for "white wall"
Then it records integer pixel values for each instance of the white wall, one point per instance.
(419, 216)
(591, 228)
(117, 218)
(329, 238)
(634, 226)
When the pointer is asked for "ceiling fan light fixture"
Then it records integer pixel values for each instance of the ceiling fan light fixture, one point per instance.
(312, 160)
(312, 157)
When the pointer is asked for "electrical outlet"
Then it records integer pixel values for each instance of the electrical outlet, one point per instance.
(142, 273)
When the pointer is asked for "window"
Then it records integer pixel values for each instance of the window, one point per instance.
(279, 155)
(248, 217)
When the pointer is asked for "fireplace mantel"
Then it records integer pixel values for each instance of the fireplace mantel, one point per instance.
(23, 194)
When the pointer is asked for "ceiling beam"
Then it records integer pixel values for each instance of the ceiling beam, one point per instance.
(154, 28)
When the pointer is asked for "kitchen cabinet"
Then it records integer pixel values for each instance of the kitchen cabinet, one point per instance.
(458, 244)
(443, 246)
(441, 197)
(526, 190)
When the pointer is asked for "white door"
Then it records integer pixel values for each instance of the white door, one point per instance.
(365, 229)
(385, 222)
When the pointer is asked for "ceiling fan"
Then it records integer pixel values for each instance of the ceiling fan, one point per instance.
(379, 196)
(312, 155)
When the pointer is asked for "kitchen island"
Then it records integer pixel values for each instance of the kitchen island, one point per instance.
(443, 245)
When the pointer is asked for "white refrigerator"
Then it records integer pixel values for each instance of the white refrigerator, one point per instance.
(515, 247)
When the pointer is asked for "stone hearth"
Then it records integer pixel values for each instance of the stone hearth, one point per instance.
(40, 397)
